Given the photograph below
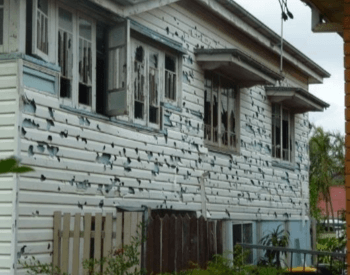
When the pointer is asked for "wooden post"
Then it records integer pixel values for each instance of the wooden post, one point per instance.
(56, 239)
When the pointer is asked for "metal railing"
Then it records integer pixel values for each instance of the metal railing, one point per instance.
(333, 255)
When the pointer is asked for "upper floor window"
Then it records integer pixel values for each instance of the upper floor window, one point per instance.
(154, 79)
(76, 41)
(282, 129)
(220, 111)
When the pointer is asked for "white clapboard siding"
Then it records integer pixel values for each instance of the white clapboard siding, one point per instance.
(87, 164)
(8, 123)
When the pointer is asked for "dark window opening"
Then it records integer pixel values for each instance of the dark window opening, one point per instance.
(84, 94)
(1, 22)
(243, 233)
(139, 54)
(170, 63)
(29, 32)
(65, 88)
(138, 110)
(170, 77)
(101, 65)
(153, 115)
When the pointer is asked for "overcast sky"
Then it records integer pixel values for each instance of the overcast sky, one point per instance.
(324, 49)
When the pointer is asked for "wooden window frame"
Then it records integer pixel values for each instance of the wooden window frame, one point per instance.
(291, 129)
(74, 100)
(134, 42)
(51, 27)
(218, 146)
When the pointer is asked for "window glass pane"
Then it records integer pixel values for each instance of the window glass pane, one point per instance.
(65, 20)
(276, 120)
(170, 63)
(237, 234)
(248, 238)
(1, 2)
(285, 134)
(43, 6)
(85, 29)
(153, 88)
(232, 119)
(207, 107)
(139, 81)
(224, 116)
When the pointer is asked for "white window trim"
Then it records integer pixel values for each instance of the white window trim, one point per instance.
(74, 100)
(52, 48)
(291, 130)
(134, 42)
(218, 146)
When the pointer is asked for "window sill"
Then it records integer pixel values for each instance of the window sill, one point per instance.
(221, 150)
(112, 120)
(170, 106)
(284, 165)
(31, 59)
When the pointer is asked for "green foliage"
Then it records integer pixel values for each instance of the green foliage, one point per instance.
(122, 261)
(34, 267)
(278, 237)
(11, 165)
(327, 159)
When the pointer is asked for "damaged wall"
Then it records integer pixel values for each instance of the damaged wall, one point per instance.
(85, 163)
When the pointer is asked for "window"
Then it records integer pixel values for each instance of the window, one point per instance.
(42, 29)
(148, 80)
(220, 111)
(282, 122)
(75, 50)
(2, 7)
(243, 233)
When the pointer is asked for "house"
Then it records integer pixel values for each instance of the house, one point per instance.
(177, 105)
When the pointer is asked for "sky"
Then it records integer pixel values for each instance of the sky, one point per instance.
(326, 49)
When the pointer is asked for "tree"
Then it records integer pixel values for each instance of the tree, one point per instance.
(327, 159)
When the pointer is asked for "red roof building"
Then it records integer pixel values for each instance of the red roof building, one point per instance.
(338, 197)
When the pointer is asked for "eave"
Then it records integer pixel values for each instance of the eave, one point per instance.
(296, 99)
(237, 65)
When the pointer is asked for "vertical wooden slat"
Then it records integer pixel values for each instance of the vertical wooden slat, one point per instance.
(107, 243)
(211, 240)
(65, 243)
(172, 243)
(98, 234)
(140, 234)
(165, 243)
(178, 244)
(203, 242)
(56, 238)
(186, 242)
(87, 238)
(119, 243)
(76, 245)
(157, 245)
(150, 244)
(133, 231)
(127, 228)
(194, 240)
(219, 237)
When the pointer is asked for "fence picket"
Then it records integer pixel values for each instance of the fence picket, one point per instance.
(157, 245)
(150, 245)
(219, 248)
(211, 240)
(76, 245)
(107, 243)
(172, 247)
(127, 228)
(186, 241)
(194, 240)
(56, 239)
(119, 244)
(97, 240)
(165, 243)
(178, 244)
(65, 243)
(87, 239)
(202, 242)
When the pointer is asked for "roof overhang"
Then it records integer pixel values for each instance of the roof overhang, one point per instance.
(296, 99)
(237, 65)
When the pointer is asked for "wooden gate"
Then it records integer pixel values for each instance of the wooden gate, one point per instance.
(175, 241)
(85, 237)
